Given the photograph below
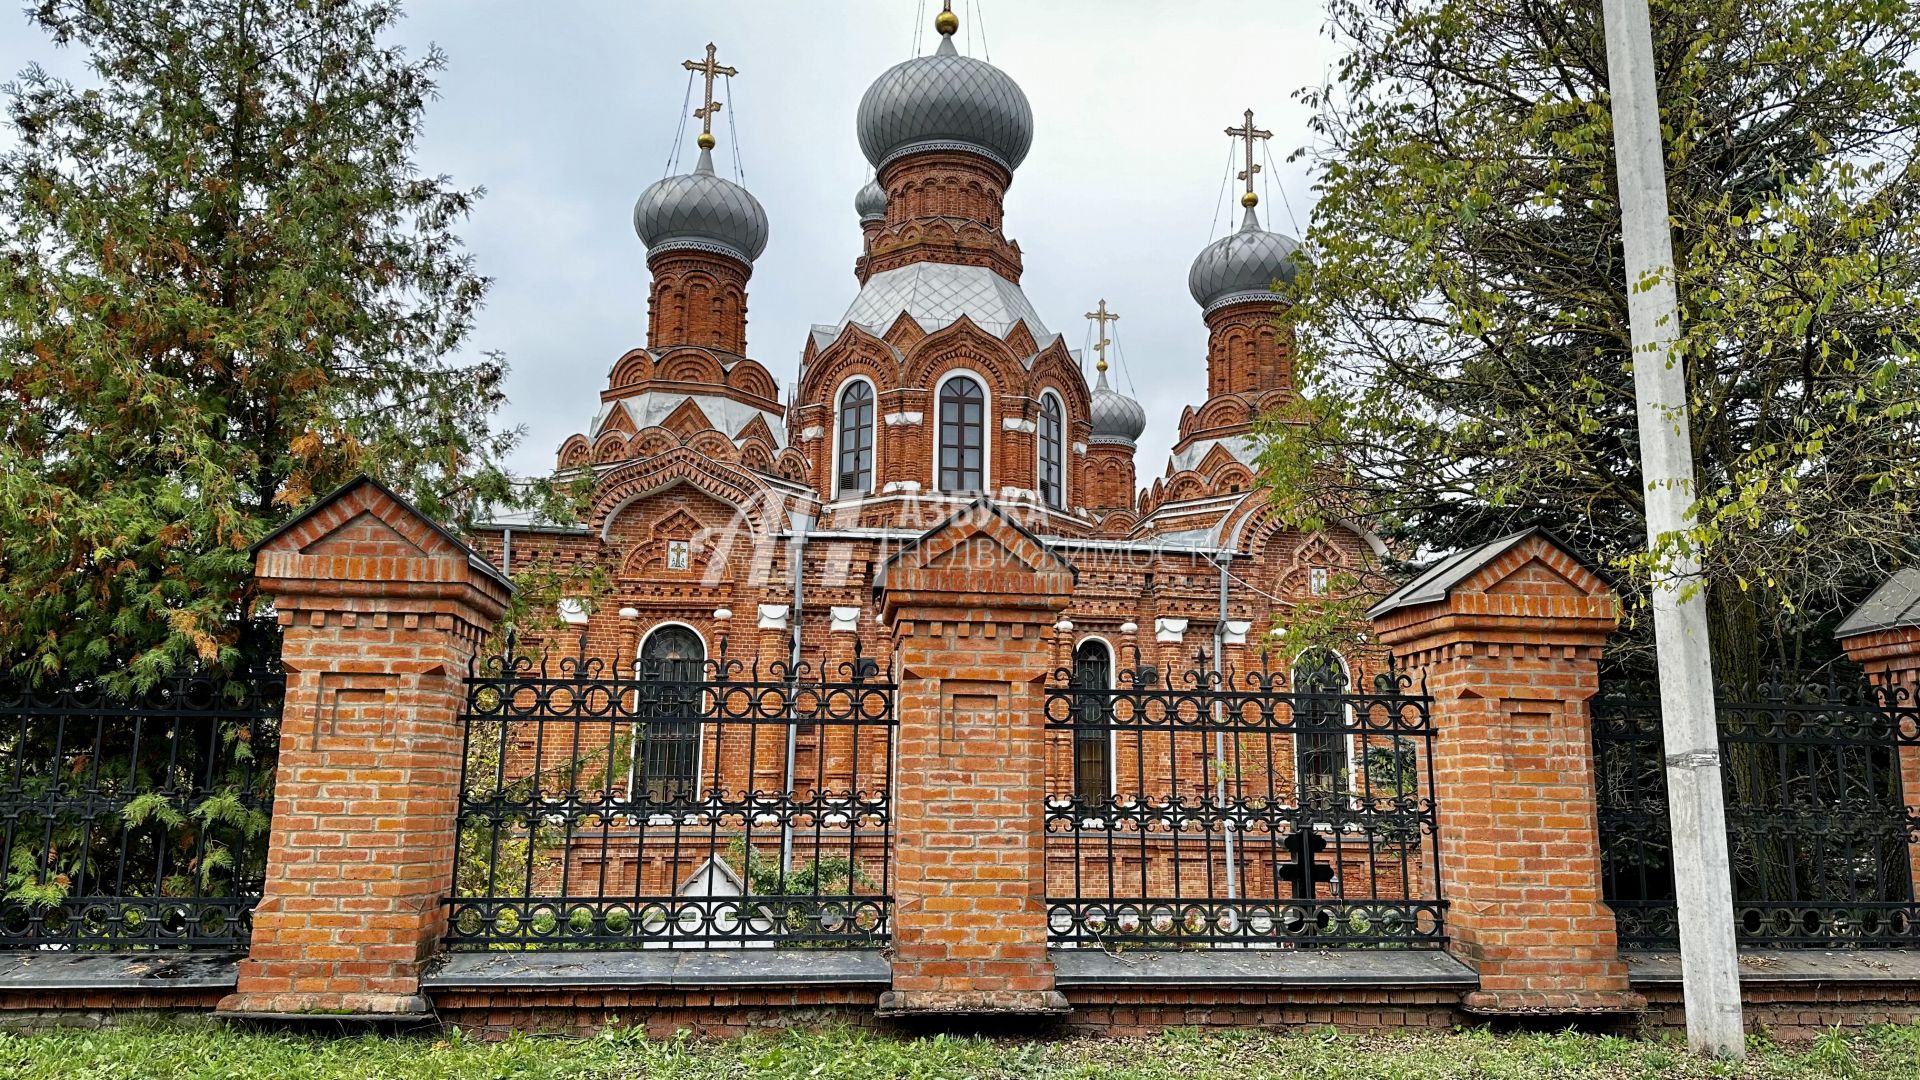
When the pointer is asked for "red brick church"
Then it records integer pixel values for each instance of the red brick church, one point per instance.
(722, 511)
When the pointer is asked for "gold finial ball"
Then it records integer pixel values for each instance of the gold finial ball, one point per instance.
(946, 22)
(1249, 200)
(705, 140)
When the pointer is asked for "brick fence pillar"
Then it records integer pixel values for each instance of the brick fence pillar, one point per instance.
(1883, 637)
(971, 605)
(381, 611)
(1507, 638)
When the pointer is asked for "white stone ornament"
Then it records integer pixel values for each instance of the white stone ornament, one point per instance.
(573, 611)
(1237, 631)
(1169, 629)
(846, 620)
(774, 616)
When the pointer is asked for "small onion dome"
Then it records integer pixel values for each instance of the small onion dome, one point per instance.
(945, 101)
(1116, 417)
(1242, 266)
(871, 202)
(701, 212)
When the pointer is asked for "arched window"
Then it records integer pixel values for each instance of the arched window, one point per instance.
(963, 435)
(1052, 453)
(1092, 728)
(854, 469)
(672, 673)
(1319, 716)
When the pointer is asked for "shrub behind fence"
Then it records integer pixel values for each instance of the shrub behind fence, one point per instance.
(136, 820)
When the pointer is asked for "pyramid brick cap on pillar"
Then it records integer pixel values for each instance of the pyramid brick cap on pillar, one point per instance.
(1514, 584)
(979, 558)
(1507, 638)
(381, 612)
(363, 535)
(1883, 634)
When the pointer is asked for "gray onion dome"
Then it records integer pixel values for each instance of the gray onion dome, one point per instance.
(871, 202)
(1242, 266)
(1116, 417)
(945, 101)
(701, 212)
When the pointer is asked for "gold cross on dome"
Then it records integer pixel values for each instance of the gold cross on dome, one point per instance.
(1250, 133)
(1102, 316)
(711, 69)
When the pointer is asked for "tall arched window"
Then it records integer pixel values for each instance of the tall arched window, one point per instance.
(1319, 716)
(1092, 732)
(854, 469)
(1052, 453)
(672, 673)
(963, 435)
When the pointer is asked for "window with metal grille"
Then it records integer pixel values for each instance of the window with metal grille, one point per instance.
(672, 671)
(855, 466)
(1320, 740)
(1092, 737)
(963, 435)
(1053, 489)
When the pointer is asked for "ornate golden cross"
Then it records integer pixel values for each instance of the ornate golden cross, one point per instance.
(1103, 317)
(711, 69)
(1248, 132)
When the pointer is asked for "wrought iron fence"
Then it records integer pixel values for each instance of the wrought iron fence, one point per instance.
(1229, 810)
(678, 803)
(1820, 821)
(138, 820)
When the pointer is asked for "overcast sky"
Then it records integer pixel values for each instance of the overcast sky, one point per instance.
(565, 109)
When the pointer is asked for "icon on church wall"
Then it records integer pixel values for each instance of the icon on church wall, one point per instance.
(679, 555)
(1318, 580)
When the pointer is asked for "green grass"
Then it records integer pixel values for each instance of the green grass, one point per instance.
(215, 1053)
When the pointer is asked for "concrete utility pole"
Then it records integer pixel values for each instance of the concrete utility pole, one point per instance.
(1708, 962)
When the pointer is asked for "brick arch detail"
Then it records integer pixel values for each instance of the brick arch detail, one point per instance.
(735, 486)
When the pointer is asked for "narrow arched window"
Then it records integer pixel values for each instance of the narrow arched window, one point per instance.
(671, 682)
(854, 472)
(963, 435)
(1320, 729)
(1092, 683)
(1052, 453)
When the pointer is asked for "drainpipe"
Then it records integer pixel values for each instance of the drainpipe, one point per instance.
(506, 552)
(1220, 736)
(799, 524)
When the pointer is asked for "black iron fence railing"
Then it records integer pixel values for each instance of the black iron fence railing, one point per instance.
(1820, 822)
(1230, 810)
(136, 820)
(674, 804)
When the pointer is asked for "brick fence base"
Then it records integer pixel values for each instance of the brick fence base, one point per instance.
(1788, 1012)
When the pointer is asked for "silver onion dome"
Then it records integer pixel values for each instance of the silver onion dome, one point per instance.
(1242, 266)
(702, 212)
(1116, 417)
(945, 101)
(871, 202)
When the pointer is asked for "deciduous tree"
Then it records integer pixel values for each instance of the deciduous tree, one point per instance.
(1463, 315)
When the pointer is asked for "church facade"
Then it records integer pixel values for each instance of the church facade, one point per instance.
(721, 512)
